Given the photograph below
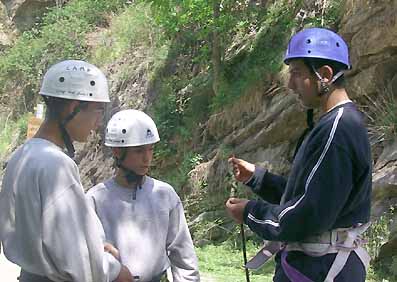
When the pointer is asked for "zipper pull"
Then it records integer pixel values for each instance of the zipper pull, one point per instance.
(134, 194)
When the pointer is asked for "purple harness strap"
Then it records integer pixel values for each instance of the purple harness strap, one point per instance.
(293, 274)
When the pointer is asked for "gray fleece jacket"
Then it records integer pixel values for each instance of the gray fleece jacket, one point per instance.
(46, 224)
(148, 227)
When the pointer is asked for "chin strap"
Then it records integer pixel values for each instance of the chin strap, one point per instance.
(62, 125)
(324, 86)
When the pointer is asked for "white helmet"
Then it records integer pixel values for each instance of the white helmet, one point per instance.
(76, 80)
(131, 128)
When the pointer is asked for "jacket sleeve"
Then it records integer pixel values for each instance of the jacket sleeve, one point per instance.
(327, 183)
(270, 187)
(184, 264)
(73, 239)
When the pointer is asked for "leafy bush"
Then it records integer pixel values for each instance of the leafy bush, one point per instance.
(325, 13)
(382, 269)
(263, 57)
(378, 233)
(178, 175)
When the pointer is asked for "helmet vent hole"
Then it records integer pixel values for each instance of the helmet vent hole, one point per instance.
(61, 79)
(124, 131)
(122, 141)
(90, 94)
(308, 51)
(337, 44)
(92, 83)
(308, 41)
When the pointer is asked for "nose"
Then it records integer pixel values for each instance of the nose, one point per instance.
(147, 155)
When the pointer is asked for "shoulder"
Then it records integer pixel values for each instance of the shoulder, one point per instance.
(97, 190)
(346, 120)
(41, 158)
(162, 188)
(158, 184)
(47, 154)
(352, 118)
(349, 126)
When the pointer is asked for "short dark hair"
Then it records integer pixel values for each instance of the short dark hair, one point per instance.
(336, 67)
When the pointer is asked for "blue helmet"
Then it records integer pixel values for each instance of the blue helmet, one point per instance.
(318, 43)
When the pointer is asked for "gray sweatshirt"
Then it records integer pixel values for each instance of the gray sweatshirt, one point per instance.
(46, 224)
(148, 227)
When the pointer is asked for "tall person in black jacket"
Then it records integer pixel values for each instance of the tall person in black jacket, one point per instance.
(321, 210)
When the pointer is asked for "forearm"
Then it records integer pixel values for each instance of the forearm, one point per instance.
(266, 185)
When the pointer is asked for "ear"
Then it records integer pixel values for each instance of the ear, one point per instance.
(326, 73)
(69, 108)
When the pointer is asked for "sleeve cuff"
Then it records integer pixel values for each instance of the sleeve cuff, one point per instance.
(114, 266)
(256, 179)
(250, 205)
(250, 180)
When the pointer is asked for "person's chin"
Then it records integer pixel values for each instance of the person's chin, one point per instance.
(142, 171)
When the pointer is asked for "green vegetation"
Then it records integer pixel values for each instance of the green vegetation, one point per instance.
(179, 173)
(262, 58)
(60, 35)
(224, 262)
(382, 114)
(382, 269)
(12, 133)
(378, 233)
(134, 29)
(182, 42)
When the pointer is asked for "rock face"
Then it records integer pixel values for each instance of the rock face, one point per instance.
(24, 13)
(5, 30)
(370, 28)
(263, 126)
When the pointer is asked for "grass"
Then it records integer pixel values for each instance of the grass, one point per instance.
(382, 115)
(224, 262)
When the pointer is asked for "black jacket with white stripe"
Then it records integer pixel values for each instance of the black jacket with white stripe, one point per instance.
(329, 185)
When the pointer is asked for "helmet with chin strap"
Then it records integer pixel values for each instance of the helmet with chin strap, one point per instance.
(319, 43)
(74, 80)
(130, 128)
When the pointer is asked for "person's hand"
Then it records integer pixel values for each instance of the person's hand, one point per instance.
(112, 250)
(235, 208)
(124, 275)
(242, 170)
